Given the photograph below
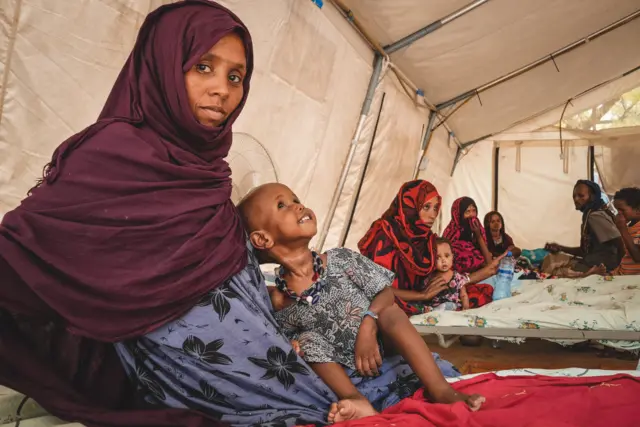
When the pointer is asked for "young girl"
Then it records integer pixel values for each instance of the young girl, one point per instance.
(454, 293)
(627, 202)
(498, 241)
(339, 307)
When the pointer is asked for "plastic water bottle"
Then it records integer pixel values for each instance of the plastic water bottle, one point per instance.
(506, 269)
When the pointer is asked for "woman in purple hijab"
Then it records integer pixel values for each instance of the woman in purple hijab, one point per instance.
(129, 254)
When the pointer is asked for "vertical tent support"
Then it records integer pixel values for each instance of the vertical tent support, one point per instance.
(366, 106)
(426, 138)
(354, 202)
(496, 176)
(592, 162)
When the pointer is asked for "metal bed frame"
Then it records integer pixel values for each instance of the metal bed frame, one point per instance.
(560, 334)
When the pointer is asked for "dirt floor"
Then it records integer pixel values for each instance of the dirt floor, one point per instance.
(532, 354)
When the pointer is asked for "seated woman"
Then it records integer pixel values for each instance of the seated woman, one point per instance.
(130, 258)
(600, 247)
(467, 237)
(402, 241)
(498, 241)
(627, 202)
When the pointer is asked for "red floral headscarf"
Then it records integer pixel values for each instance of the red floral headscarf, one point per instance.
(401, 241)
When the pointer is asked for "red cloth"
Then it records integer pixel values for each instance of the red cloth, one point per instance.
(524, 402)
(401, 242)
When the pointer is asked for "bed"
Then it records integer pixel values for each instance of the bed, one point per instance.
(565, 311)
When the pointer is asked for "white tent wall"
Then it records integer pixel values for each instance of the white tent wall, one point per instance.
(392, 161)
(61, 59)
(473, 177)
(537, 201)
(617, 162)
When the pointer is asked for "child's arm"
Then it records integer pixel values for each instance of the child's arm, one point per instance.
(384, 299)
(464, 297)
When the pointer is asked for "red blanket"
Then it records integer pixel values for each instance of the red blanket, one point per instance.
(524, 402)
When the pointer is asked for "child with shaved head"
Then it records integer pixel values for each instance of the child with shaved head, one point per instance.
(340, 308)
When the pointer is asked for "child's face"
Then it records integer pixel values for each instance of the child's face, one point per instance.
(629, 213)
(444, 260)
(430, 211)
(279, 213)
(495, 223)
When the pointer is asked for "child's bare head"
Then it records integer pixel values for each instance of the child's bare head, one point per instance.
(444, 255)
(274, 216)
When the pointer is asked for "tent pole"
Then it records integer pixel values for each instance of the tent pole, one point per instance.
(354, 202)
(426, 138)
(366, 106)
(541, 61)
(406, 41)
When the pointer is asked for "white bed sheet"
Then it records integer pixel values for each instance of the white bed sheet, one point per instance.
(589, 304)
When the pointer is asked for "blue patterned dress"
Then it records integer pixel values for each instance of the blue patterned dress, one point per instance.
(226, 357)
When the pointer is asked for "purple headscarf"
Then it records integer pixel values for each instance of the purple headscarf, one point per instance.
(131, 224)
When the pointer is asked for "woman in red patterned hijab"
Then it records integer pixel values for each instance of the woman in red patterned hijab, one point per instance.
(402, 241)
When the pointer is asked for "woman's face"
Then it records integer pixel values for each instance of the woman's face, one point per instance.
(495, 224)
(430, 211)
(471, 212)
(214, 84)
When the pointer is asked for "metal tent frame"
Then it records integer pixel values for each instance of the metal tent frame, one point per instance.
(382, 63)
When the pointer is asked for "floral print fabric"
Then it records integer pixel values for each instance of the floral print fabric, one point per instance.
(227, 358)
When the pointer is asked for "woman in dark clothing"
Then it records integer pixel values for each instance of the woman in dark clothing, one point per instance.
(600, 247)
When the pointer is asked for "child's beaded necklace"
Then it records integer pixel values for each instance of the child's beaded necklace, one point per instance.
(310, 295)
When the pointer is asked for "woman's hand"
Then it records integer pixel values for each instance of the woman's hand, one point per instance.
(476, 228)
(621, 222)
(554, 248)
(368, 358)
(434, 287)
(492, 268)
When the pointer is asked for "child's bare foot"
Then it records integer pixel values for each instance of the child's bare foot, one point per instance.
(474, 401)
(350, 409)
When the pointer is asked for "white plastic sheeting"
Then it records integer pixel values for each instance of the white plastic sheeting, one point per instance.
(498, 38)
(58, 61)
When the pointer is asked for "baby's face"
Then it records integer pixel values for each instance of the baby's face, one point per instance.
(444, 260)
(280, 213)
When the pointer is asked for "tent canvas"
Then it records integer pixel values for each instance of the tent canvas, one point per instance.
(505, 66)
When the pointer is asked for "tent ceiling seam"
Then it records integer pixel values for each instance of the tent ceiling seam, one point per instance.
(417, 35)
(551, 57)
(583, 93)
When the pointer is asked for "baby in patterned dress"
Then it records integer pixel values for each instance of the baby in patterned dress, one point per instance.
(337, 305)
(453, 284)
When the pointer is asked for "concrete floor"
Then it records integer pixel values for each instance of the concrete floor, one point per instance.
(532, 354)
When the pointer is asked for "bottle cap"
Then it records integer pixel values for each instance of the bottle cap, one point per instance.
(509, 253)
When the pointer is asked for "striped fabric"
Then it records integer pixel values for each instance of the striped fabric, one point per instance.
(628, 266)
